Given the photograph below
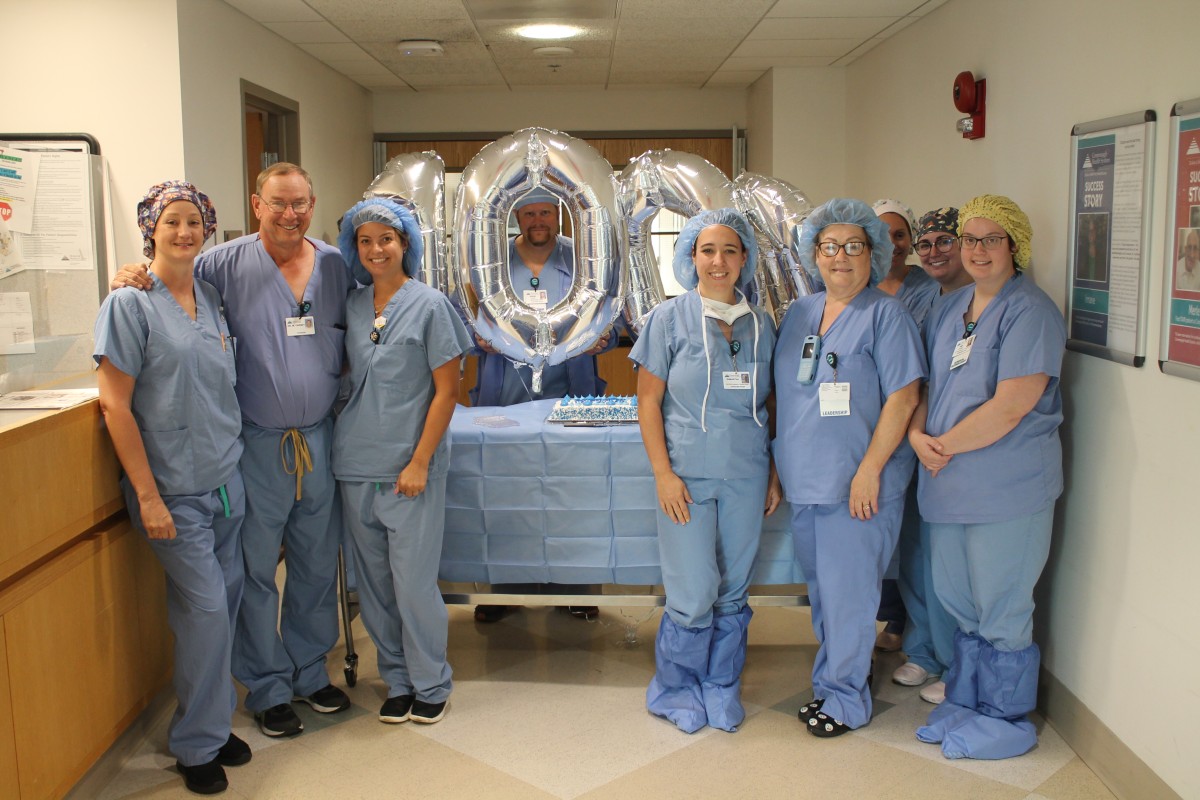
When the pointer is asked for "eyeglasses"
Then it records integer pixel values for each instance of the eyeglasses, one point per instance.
(279, 207)
(830, 249)
(989, 242)
(942, 243)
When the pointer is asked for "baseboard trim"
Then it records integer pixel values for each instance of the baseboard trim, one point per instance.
(107, 767)
(1126, 775)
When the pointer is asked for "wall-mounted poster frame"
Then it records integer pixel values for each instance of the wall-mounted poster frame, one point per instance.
(1180, 352)
(1112, 169)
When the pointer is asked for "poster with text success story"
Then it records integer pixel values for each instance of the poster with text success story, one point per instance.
(1109, 234)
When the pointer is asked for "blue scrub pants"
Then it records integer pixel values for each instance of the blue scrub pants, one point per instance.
(985, 575)
(844, 560)
(279, 652)
(397, 545)
(203, 566)
(929, 633)
(700, 649)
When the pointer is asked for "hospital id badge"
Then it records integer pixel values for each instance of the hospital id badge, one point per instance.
(301, 326)
(835, 399)
(735, 380)
(962, 351)
(536, 298)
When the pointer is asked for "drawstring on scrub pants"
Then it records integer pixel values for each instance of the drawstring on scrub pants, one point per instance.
(301, 461)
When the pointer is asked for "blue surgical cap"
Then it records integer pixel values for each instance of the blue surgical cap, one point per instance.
(538, 195)
(845, 211)
(685, 267)
(385, 211)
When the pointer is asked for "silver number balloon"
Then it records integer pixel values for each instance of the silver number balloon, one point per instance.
(418, 182)
(500, 174)
(681, 182)
(775, 208)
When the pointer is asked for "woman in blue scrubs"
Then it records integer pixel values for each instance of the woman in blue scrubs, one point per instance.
(848, 366)
(391, 453)
(704, 382)
(986, 434)
(166, 378)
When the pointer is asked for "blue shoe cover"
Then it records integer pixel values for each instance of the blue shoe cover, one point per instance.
(946, 716)
(990, 738)
(681, 657)
(722, 686)
(962, 683)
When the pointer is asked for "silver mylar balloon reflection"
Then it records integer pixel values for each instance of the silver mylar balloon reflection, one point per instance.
(681, 182)
(500, 174)
(775, 208)
(418, 182)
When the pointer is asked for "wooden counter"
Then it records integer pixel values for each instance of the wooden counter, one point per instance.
(84, 643)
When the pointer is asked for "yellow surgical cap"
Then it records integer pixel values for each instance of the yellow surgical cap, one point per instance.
(1008, 215)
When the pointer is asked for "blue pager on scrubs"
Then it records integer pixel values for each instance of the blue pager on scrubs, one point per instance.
(810, 353)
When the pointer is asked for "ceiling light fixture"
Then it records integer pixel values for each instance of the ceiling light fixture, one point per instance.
(420, 47)
(548, 31)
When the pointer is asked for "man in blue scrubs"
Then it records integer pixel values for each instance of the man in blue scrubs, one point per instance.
(541, 268)
(285, 300)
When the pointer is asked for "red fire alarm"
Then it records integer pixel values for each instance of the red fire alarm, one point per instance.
(970, 97)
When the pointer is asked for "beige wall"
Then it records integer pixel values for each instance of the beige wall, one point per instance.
(1118, 619)
(109, 69)
(624, 110)
(219, 47)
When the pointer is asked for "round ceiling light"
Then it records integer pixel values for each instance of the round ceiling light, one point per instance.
(548, 31)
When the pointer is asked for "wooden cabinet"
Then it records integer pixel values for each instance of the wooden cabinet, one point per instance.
(85, 643)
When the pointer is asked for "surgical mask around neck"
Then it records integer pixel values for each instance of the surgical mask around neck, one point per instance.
(726, 312)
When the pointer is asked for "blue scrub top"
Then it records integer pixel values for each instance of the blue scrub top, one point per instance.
(671, 346)
(878, 353)
(917, 293)
(286, 381)
(184, 399)
(391, 383)
(502, 383)
(1021, 332)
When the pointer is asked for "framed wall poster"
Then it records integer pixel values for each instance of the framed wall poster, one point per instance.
(1180, 353)
(1109, 237)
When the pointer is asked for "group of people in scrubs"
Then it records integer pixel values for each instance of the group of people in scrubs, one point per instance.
(830, 412)
(954, 372)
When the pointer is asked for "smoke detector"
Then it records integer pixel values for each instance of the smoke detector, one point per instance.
(420, 47)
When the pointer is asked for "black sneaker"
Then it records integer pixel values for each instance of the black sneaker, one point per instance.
(395, 709)
(279, 720)
(234, 752)
(428, 713)
(204, 778)
(329, 700)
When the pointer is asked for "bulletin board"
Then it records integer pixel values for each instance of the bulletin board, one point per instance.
(53, 256)
(1180, 352)
(1108, 283)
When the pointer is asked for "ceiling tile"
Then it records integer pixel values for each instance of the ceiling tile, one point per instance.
(843, 8)
(667, 29)
(276, 10)
(357, 68)
(734, 77)
(541, 10)
(326, 52)
(512, 51)
(528, 71)
(767, 63)
(772, 48)
(390, 9)
(696, 49)
(856, 52)
(377, 82)
(655, 77)
(305, 32)
(443, 30)
(459, 81)
(454, 52)
(820, 28)
(685, 10)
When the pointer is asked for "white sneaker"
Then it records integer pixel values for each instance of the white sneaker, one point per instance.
(910, 674)
(934, 693)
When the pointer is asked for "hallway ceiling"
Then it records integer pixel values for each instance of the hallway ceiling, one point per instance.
(623, 44)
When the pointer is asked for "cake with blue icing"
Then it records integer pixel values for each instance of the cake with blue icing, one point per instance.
(595, 411)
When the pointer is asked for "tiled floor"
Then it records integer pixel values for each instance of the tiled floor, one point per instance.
(548, 706)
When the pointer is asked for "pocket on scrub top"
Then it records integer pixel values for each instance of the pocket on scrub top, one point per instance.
(977, 377)
(400, 364)
(169, 452)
